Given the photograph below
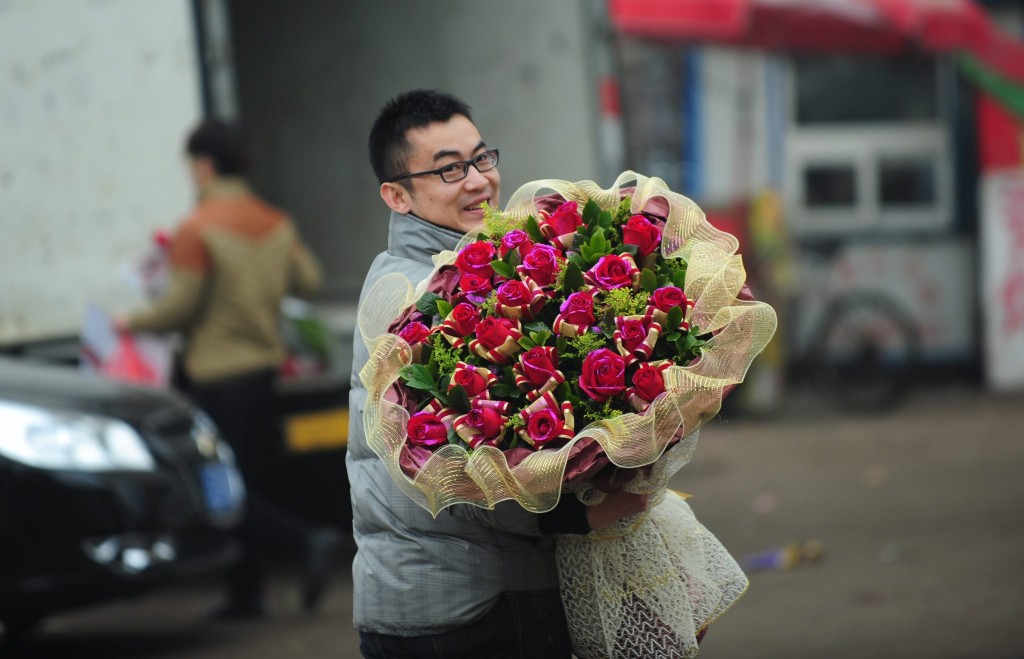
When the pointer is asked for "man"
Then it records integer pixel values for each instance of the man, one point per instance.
(471, 583)
(231, 262)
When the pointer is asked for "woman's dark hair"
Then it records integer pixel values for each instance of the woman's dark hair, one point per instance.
(389, 145)
(223, 143)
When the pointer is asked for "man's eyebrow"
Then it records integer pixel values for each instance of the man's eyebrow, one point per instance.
(448, 153)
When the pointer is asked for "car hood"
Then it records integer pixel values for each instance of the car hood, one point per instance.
(64, 388)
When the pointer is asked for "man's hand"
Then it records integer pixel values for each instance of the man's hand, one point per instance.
(614, 507)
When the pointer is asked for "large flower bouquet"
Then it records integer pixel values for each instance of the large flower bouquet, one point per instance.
(579, 331)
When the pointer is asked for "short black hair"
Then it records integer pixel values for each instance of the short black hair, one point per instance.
(223, 142)
(389, 144)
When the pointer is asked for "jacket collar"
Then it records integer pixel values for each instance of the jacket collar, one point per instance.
(224, 186)
(412, 237)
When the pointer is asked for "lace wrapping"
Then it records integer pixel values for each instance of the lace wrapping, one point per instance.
(693, 395)
(647, 589)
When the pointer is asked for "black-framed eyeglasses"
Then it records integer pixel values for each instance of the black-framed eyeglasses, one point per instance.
(458, 170)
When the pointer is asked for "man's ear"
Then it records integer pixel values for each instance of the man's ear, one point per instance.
(396, 196)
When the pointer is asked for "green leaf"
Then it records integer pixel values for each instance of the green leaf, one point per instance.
(561, 343)
(458, 399)
(535, 326)
(679, 278)
(533, 230)
(675, 317)
(604, 220)
(591, 211)
(443, 308)
(662, 280)
(526, 343)
(673, 337)
(427, 304)
(573, 280)
(501, 390)
(418, 376)
(648, 280)
(540, 338)
(503, 269)
(453, 437)
(627, 249)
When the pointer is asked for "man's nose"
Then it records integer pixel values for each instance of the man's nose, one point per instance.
(475, 178)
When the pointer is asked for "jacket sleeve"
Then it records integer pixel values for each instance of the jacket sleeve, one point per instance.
(304, 274)
(177, 308)
(568, 517)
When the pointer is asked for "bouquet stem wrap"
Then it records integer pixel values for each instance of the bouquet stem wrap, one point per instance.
(484, 477)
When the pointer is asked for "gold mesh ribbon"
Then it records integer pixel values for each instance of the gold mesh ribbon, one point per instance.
(714, 278)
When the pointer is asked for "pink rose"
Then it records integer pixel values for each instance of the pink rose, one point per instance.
(603, 375)
(640, 231)
(614, 271)
(425, 429)
(547, 422)
(516, 239)
(514, 293)
(541, 264)
(635, 337)
(484, 424)
(415, 332)
(475, 258)
(631, 331)
(517, 299)
(578, 309)
(539, 364)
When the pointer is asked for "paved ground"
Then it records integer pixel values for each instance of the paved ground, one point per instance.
(919, 513)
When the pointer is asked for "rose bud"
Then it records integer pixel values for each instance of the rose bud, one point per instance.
(416, 334)
(576, 315)
(516, 239)
(547, 422)
(537, 371)
(460, 323)
(640, 231)
(475, 259)
(613, 271)
(426, 429)
(541, 264)
(560, 226)
(497, 339)
(603, 375)
(519, 299)
(473, 379)
(648, 383)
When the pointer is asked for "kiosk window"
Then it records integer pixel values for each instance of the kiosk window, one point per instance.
(830, 186)
(907, 182)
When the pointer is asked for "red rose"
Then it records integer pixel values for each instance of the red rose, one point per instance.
(663, 299)
(414, 332)
(648, 382)
(603, 375)
(544, 426)
(484, 424)
(614, 271)
(541, 264)
(463, 319)
(492, 332)
(578, 309)
(639, 231)
(540, 364)
(515, 239)
(475, 258)
(425, 429)
(561, 225)
(487, 421)
(475, 284)
(474, 380)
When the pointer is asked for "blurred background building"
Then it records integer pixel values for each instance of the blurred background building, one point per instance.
(867, 153)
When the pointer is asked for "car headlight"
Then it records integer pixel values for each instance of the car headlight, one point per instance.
(68, 440)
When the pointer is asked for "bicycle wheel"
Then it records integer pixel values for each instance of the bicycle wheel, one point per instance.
(865, 353)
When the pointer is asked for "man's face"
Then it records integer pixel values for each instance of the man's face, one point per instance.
(455, 205)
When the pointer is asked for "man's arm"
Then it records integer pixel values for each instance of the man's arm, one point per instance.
(177, 307)
(304, 274)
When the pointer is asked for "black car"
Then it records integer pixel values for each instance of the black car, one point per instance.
(106, 490)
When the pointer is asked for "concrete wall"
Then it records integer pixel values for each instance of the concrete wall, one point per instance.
(312, 76)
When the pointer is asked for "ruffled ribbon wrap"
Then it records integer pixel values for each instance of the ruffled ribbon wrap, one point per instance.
(693, 394)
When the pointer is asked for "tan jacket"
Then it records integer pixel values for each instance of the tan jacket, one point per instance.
(232, 261)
